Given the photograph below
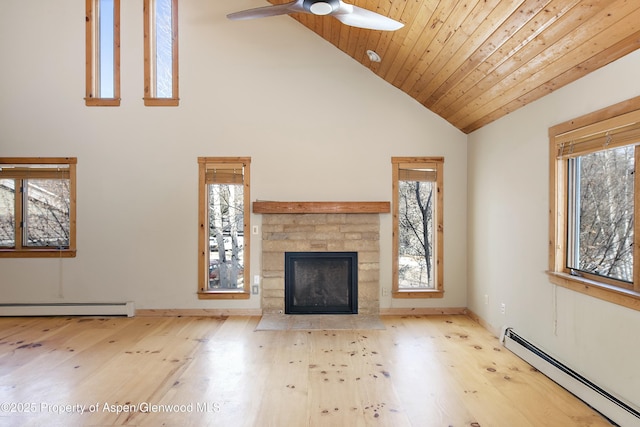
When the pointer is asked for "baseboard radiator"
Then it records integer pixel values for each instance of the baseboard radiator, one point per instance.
(69, 309)
(611, 407)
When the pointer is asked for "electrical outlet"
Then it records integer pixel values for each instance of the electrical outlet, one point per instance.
(255, 229)
(486, 299)
(503, 308)
(254, 290)
(385, 292)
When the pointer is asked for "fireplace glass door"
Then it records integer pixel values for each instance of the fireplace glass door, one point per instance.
(321, 282)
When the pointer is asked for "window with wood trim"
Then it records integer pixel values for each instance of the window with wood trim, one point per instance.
(161, 53)
(594, 200)
(223, 227)
(37, 207)
(417, 227)
(102, 53)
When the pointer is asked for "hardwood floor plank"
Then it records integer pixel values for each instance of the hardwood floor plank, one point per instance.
(198, 371)
(288, 381)
(439, 402)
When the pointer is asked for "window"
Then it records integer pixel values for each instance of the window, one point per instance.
(417, 227)
(224, 201)
(161, 52)
(102, 53)
(594, 203)
(37, 207)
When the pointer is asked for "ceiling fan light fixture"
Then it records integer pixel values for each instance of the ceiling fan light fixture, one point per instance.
(321, 8)
(373, 56)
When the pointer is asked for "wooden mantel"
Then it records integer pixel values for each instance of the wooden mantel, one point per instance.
(269, 207)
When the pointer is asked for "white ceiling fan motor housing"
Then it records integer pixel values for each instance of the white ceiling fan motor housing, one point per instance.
(321, 7)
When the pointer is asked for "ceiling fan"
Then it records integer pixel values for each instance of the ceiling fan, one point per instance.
(346, 13)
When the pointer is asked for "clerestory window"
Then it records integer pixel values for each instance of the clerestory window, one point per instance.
(161, 53)
(102, 53)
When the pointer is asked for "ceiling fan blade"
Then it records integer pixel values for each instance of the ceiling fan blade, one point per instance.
(364, 18)
(262, 12)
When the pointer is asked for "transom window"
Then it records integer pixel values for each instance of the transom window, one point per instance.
(418, 227)
(594, 203)
(37, 207)
(224, 200)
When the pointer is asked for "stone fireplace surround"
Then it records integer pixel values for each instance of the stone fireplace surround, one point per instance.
(321, 227)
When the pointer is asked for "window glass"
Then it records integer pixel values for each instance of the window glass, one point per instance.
(416, 234)
(164, 50)
(46, 213)
(7, 213)
(226, 236)
(601, 213)
(106, 49)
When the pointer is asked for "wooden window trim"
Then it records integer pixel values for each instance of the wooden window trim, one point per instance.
(23, 252)
(438, 164)
(619, 116)
(91, 53)
(203, 226)
(150, 100)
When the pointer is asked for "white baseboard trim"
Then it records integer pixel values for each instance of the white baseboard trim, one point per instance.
(198, 312)
(68, 309)
(422, 311)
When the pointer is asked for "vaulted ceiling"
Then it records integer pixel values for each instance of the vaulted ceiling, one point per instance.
(474, 61)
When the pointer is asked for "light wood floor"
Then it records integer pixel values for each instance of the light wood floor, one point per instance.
(420, 371)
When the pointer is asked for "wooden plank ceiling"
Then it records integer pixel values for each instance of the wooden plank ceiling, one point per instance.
(474, 61)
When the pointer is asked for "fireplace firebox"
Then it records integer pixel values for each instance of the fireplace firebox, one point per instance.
(321, 282)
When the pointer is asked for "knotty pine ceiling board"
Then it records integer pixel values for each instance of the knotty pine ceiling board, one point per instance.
(474, 61)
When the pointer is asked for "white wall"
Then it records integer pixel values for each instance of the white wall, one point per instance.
(508, 228)
(318, 126)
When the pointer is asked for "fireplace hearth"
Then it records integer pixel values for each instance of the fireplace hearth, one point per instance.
(321, 283)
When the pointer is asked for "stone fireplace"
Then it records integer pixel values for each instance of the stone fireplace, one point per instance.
(321, 227)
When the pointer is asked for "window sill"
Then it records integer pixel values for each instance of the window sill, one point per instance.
(224, 295)
(613, 294)
(37, 253)
(427, 293)
(161, 102)
(102, 102)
